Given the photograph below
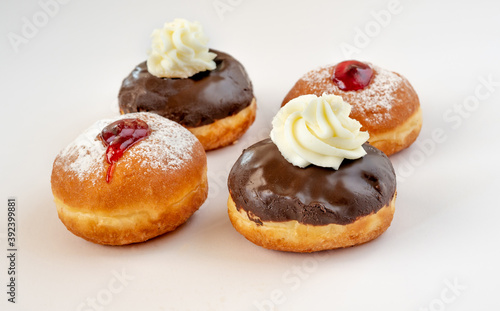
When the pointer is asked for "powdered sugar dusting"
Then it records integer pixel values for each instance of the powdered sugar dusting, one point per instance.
(373, 102)
(167, 148)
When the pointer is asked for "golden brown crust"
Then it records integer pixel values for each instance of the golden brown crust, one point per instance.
(293, 236)
(400, 137)
(404, 104)
(225, 131)
(141, 224)
(140, 202)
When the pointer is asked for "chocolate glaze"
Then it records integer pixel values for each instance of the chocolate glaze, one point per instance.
(199, 100)
(269, 188)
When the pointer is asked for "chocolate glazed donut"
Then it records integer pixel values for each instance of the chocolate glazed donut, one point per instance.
(349, 206)
(196, 101)
(264, 183)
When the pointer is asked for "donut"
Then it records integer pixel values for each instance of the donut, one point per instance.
(279, 206)
(206, 91)
(129, 179)
(315, 184)
(384, 102)
(217, 106)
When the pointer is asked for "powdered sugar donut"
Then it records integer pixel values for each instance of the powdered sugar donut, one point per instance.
(384, 102)
(129, 179)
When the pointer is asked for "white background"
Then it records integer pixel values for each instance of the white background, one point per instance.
(442, 250)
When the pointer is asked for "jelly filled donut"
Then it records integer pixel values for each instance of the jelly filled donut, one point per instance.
(207, 91)
(383, 102)
(286, 194)
(129, 179)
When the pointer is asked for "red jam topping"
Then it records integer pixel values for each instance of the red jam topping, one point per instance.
(119, 136)
(352, 75)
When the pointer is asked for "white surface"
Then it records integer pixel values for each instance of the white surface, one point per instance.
(68, 75)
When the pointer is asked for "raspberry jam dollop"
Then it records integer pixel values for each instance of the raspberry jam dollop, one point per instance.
(119, 136)
(351, 75)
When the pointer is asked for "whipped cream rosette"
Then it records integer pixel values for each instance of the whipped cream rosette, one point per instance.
(179, 50)
(318, 130)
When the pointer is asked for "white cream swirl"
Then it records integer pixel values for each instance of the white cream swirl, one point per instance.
(179, 50)
(318, 130)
